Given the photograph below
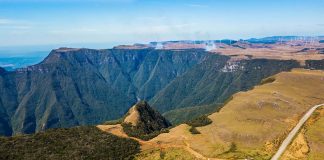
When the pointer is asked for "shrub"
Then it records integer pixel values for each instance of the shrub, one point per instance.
(194, 130)
(138, 132)
(200, 121)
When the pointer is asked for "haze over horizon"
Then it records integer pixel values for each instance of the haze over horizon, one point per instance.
(110, 22)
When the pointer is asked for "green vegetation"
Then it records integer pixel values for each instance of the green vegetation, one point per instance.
(72, 143)
(183, 115)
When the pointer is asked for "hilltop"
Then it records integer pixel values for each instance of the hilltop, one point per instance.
(141, 121)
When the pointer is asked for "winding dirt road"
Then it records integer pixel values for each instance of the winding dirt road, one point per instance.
(293, 132)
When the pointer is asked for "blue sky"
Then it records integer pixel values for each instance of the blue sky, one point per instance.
(63, 22)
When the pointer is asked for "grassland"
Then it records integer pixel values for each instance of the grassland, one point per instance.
(255, 122)
(309, 143)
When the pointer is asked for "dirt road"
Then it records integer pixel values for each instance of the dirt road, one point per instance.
(293, 132)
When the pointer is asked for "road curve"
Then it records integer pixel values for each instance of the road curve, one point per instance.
(293, 132)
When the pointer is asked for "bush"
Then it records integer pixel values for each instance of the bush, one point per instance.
(194, 130)
(200, 121)
(138, 132)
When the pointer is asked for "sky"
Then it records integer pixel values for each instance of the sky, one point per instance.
(110, 22)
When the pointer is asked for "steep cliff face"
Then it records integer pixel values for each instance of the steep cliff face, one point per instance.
(83, 86)
(7, 102)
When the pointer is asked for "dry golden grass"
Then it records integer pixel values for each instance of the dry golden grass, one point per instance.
(313, 144)
(133, 116)
(254, 122)
(298, 149)
(315, 139)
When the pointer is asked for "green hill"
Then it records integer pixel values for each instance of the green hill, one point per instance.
(66, 144)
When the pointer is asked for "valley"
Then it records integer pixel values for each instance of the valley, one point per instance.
(87, 86)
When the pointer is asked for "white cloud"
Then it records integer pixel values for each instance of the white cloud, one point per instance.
(13, 24)
(6, 21)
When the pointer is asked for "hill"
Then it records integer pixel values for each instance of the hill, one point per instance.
(72, 143)
(144, 122)
(141, 121)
